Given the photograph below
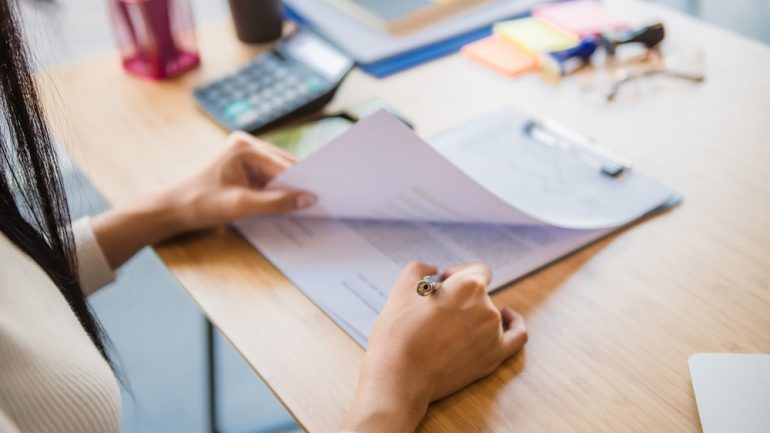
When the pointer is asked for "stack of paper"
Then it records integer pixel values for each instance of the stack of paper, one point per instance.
(481, 192)
(381, 53)
(555, 28)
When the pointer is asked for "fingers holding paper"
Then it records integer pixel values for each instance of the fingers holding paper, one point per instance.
(232, 186)
(253, 162)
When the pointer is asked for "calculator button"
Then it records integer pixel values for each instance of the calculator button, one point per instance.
(247, 117)
(290, 96)
(300, 99)
(220, 104)
(315, 84)
(236, 108)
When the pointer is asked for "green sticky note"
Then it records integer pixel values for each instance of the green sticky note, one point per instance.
(535, 35)
(304, 139)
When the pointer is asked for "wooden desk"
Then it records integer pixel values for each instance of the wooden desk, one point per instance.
(611, 328)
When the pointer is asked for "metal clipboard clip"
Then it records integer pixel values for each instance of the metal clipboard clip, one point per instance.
(553, 134)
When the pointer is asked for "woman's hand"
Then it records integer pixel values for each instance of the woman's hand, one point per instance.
(229, 188)
(426, 348)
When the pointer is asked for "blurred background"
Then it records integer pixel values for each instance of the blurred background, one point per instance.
(157, 331)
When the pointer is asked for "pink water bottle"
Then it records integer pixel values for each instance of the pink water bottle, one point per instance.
(156, 37)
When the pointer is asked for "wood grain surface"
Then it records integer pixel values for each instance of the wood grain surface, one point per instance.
(611, 327)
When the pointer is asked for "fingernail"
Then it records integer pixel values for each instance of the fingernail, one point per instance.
(306, 200)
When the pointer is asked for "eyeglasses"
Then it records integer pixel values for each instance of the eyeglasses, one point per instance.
(660, 66)
(626, 77)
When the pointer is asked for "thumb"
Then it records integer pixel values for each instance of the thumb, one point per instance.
(249, 202)
(514, 331)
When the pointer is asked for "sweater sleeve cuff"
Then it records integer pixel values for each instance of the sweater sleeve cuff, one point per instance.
(93, 268)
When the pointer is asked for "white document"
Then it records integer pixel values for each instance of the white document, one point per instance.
(732, 391)
(480, 192)
(347, 267)
(485, 172)
(551, 184)
(381, 170)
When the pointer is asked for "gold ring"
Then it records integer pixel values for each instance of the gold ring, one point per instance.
(427, 285)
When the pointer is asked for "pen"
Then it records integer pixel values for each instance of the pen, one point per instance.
(428, 285)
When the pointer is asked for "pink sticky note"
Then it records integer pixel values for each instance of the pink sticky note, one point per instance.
(582, 17)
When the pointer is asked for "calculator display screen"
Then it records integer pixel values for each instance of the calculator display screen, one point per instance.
(316, 53)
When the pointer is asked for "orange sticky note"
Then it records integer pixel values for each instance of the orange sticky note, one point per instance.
(502, 56)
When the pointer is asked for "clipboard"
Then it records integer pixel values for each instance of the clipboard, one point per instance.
(498, 188)
(551, 133)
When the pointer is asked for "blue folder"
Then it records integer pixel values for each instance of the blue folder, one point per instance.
(400, 62)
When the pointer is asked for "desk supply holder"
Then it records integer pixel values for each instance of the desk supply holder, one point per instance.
(156, 37)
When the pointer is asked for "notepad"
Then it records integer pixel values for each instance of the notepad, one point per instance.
(501, 56)
(581, 17)
(535, 35)
(732, 391)
(483, 191)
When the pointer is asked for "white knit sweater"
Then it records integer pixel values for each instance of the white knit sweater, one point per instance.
(52, 377)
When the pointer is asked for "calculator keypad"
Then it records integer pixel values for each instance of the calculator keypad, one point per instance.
(264, 90)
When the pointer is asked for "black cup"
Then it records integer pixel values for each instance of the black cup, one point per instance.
(257, 21)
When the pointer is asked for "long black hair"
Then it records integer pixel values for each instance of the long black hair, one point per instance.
(33, 206)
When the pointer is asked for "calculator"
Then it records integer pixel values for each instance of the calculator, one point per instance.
(298, 77)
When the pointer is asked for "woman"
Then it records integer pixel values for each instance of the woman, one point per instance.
(55, 373)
